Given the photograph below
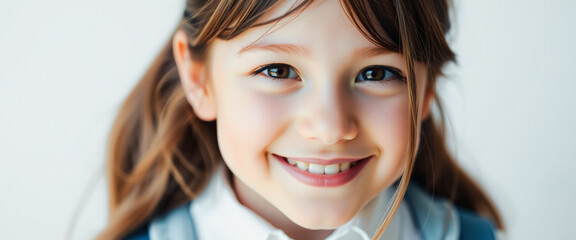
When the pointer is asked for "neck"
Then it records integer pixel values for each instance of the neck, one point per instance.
(250, 199)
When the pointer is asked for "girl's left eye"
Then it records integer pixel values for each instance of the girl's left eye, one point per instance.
(379, 73)
(278, 71)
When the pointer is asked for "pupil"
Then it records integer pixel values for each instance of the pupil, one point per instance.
(373, 74)
(278, 72)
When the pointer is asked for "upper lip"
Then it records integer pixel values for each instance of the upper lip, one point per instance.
(325, 161)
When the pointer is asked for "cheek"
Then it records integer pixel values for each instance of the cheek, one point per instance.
(247, 123)
(387, 122)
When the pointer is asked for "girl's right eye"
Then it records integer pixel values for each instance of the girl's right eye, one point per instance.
(277, 71)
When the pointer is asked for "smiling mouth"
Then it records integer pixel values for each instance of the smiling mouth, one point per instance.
(316, 168)
(336, 172)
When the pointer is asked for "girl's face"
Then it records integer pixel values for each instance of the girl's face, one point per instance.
(312, 117)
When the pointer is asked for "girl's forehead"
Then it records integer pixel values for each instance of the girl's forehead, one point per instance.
(321, 25)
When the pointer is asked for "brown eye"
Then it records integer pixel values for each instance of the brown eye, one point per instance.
(280, 71)
(378, 73)
(373, 74)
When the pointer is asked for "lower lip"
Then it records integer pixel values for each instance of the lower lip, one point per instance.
(323, 180)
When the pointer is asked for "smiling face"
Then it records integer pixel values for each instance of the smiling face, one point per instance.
(312, 118)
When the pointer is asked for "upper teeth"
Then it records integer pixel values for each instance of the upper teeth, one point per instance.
(321, 169)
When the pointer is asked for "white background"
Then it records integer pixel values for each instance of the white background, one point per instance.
(66, 65)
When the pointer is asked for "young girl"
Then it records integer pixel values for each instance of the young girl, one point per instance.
(294, 120)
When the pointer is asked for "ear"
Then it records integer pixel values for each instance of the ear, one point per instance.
(428, 96)
(193, 79)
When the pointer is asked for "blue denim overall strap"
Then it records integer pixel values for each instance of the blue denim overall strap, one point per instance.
(474, 227)
(141, 233)
(436, 219)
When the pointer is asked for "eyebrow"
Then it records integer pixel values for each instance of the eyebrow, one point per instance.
(277, 48)
(292, 49)
(372, 51)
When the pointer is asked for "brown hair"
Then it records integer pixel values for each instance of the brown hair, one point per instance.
(161, 155)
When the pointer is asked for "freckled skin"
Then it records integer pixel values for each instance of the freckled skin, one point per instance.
(323, 113)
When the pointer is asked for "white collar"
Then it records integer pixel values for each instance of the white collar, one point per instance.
(218, 215)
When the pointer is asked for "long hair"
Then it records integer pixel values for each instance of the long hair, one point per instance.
(161, 155)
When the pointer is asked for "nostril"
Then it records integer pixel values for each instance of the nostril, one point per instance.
(329, 124)
(329, 132)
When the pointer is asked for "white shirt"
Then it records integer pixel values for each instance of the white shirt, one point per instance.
(217, 214)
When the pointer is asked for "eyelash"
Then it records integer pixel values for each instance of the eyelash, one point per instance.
(264, 70)
(390, 74)
(396, 73)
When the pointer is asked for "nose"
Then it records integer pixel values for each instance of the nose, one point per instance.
(328, 117)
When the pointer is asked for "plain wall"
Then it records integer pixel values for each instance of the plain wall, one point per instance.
(65, 67)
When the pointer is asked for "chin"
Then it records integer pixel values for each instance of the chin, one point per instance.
(322, 220)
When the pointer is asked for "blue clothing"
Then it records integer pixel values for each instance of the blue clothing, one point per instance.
(429, 215)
